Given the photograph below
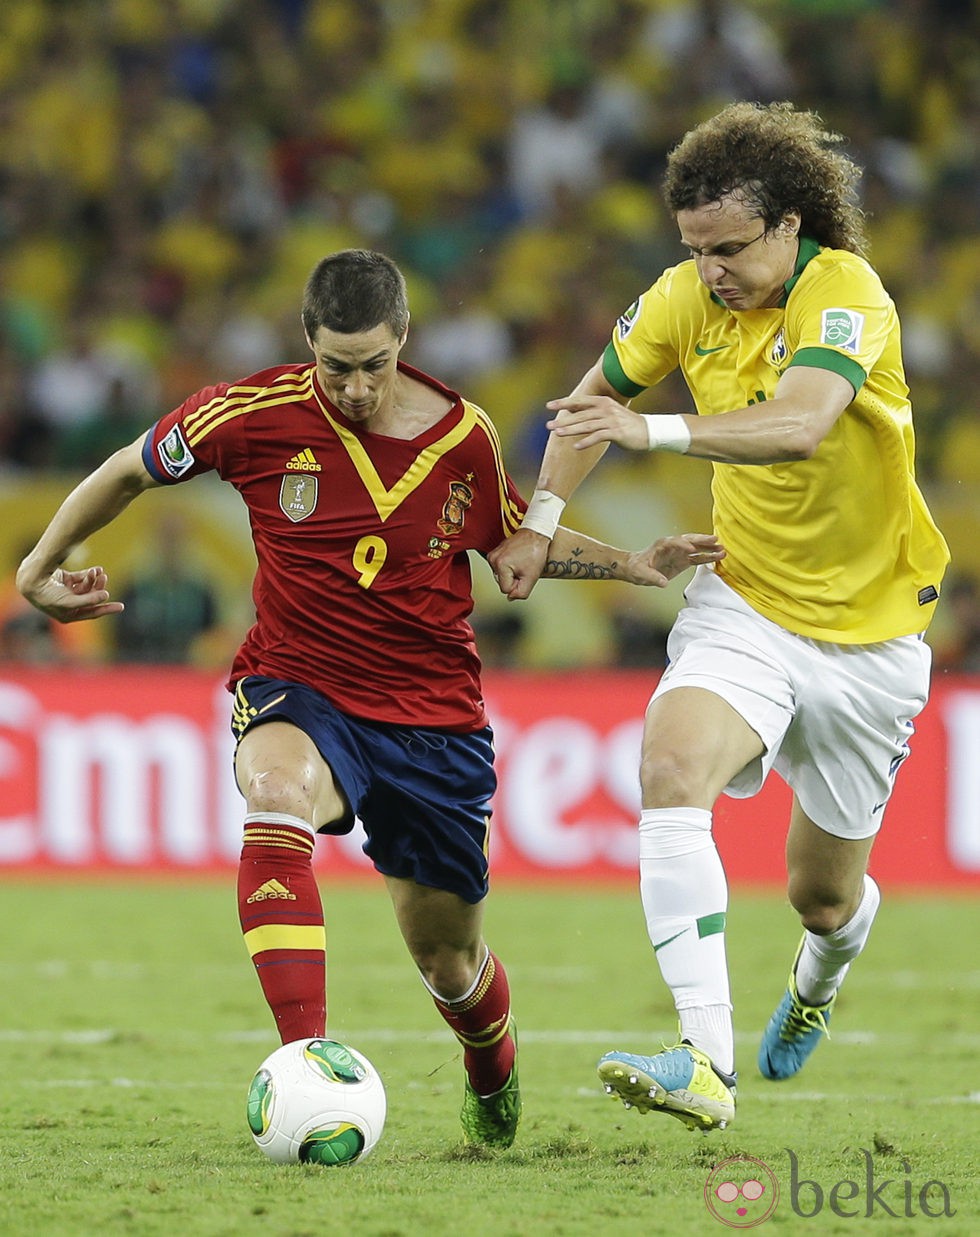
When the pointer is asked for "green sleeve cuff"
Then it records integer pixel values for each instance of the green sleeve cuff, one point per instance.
(836, 362)
(614, 374)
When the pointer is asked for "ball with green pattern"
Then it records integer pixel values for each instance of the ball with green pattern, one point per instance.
(316, 1101)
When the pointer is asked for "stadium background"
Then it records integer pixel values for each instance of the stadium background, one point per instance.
(171, 170)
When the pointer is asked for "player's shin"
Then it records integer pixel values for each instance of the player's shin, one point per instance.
(282, 921)
(480, 1020)
(824, 960)
(685, 900)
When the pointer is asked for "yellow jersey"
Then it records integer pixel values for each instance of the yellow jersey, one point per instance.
(839, 547)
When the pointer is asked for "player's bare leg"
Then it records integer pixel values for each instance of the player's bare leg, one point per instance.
(468, 984)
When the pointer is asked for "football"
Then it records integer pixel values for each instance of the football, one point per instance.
(316, 1101)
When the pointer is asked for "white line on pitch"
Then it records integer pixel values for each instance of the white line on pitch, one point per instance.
(164, 1084)
(389, 1035)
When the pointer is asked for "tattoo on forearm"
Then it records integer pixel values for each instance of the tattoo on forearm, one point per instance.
(576, 568)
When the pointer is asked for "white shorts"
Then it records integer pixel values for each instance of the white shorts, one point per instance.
(835, 718)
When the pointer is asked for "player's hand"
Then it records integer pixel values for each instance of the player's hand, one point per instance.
(594, 419)
(669, 556)
(71, 596)
(518, 562)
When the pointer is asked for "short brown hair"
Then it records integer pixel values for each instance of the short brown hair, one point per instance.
(355, 290)
(776, 159)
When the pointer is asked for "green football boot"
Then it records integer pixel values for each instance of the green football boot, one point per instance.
(492, 1120)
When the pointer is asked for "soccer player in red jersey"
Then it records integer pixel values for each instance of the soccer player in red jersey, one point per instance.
(357, 690)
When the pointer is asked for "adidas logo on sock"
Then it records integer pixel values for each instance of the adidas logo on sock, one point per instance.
(270, 891)
(303, 461)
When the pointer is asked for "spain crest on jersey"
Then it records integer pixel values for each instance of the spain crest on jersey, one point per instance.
(454, 509)
(297, 496)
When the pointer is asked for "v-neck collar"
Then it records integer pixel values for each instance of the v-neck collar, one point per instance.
(429, 447)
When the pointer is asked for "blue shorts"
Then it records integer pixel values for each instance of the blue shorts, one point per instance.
(422, 795)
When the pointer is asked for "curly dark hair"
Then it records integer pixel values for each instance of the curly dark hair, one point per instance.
(777, 160)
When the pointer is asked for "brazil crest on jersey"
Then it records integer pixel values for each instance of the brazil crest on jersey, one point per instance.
(839, 547)
(363, 582)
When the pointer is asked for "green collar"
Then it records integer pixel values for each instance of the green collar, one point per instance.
(809, 248)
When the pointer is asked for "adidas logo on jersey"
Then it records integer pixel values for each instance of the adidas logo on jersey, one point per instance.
(270, 891)
(303, 461)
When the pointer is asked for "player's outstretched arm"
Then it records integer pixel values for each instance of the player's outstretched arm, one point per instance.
(70, 596)
(788, 427)
(573, 556)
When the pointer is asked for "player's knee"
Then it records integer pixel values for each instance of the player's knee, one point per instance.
(282, 789)
(450, 972)
(669, 778)
(821, 910)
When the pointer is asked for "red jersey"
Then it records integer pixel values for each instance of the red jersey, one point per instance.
(363, 586)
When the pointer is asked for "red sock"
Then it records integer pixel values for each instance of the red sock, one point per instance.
(282, 920)
(481, 1023)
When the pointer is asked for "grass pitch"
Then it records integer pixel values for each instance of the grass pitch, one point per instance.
(132, 1023)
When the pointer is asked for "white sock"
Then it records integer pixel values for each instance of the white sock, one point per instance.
(824, 960)
(685, 900)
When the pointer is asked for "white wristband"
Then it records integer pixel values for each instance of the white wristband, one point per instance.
(543, 513)
(667, 432)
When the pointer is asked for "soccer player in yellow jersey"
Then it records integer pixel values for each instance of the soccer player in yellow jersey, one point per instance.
(803, 650)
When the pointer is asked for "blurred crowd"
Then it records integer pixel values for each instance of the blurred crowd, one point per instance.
(172, 169)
